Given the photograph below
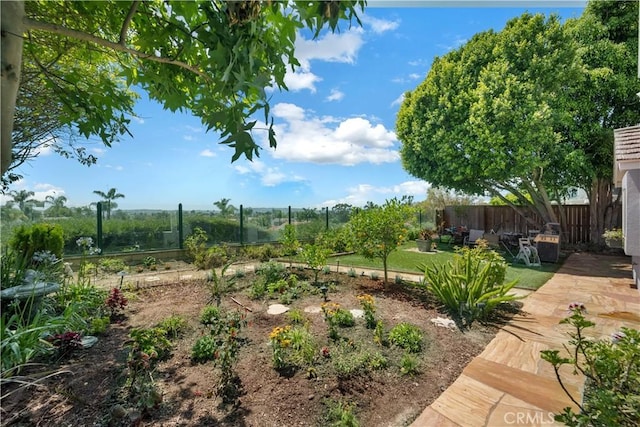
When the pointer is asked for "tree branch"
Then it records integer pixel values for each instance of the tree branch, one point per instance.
(31, 24)
(127, 21)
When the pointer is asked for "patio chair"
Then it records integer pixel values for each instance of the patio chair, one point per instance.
(473, 237)
(528, 253)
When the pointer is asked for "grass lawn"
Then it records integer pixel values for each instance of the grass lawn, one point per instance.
(407, 261)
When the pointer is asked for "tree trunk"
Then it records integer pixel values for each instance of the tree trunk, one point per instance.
(12, 30)
(384, 265)
(602, 209)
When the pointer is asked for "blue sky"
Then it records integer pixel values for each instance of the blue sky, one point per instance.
(335, 127)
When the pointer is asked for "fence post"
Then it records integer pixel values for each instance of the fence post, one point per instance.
(289, 214)
(180, 230)
(326, 218)
(99, 225)
(420, 218)
(241, 226)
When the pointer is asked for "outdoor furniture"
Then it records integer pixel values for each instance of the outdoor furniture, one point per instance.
(455, 235)
(473, 237)
(528, 253)
(493, 240)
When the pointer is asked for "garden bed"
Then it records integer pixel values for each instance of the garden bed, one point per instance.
(91, 393)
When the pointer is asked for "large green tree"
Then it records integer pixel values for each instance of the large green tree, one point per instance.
(530, 111)
(213, 58)
(605, 98)
(487, 118)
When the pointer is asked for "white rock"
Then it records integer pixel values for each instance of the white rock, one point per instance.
(357, 313)
(444, 322)
(313, 309)
(277, 309)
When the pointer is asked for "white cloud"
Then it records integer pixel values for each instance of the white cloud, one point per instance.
(40, 190)
(137, 119)
(333, 47)
(363, 193)
(269, 176)
(299, 80)
(207, 153)
(98, 151)
(335, 95)
(304, 137)
(398, 100)
(118, 168)
(414, 76)
(379, 26)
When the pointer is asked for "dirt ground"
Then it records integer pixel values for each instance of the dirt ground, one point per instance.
(89, 393)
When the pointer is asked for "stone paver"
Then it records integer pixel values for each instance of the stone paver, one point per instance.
(508, 383)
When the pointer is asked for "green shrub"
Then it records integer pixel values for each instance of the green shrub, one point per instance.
(471, 286)
(112, 265)
(406, 336)
(348, 360)
(204, 349)
(153, 342)
(150, 261)
(409, 364)
(612, 371)
(29, 239)
(99, 325)
(351, 273)
(258, 289)
(210, 315)
(296, 316)
(196, 244)
(216, 256)
(339, 414)
(292, 347)
(271, 271)
(174, 325)
(315, 257)
(344, 318)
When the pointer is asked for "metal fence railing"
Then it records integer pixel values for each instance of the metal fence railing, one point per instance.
(146, 229)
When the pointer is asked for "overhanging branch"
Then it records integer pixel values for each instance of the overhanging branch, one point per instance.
(127, 21)
(31, 24)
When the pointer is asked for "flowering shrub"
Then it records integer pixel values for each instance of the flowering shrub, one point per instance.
(612, 372)
(293, 347)
(369, 307)
(336, 316)
(577, 306)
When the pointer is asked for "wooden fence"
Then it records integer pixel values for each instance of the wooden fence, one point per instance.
(504, 219)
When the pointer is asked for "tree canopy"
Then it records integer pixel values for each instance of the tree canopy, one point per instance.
(212, 58)
(379, 230)
(520, 111)
(485, 119)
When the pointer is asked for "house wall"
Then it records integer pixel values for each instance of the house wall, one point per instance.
(631, 219)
